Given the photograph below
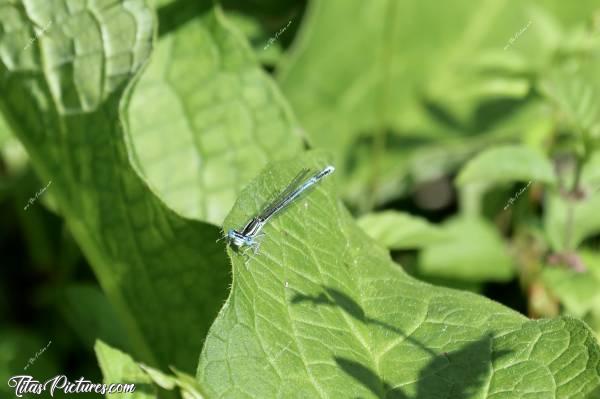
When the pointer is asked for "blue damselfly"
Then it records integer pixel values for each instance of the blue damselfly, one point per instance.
(247, 236)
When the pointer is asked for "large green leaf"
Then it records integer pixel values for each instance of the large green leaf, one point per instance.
(322, 312)
(165, 275)
(205, 118)
(507, 164)
(91, 316)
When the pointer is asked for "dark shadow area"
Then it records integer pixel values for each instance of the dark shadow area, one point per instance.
(486, 115)
(175, 14)
(148, 389)
(508, 293)
(440, 114)
(279, 20)
(462, 374)
(455, 375)
(369, 379)
(419, 146)
(491, 112)
(271, 9)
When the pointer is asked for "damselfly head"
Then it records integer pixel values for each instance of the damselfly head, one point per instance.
(238, 240)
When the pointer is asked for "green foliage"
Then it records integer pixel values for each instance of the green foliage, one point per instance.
(581, 215)
(505, 164)
(90, 314)
(398, 230)
(321, 311)
(143, 253)
(161, 126)
(119, 367)
(236, 117)
(575, 90)
(473, 252)
(386, 86)
(577, 291)
(4, 132)
(18, 350)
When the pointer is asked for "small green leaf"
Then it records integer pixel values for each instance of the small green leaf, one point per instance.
(188, 385)
(322, 312)
(567, 230)
(398, 230)
(590, 176)
(474, 252)
(575, 89)
(578, 292)
(159, 378)
(119, 368)
(507, 164)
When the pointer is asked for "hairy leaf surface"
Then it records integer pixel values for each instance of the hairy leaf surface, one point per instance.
(322, 312)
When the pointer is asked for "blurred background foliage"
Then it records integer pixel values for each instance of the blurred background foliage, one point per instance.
(466, 135)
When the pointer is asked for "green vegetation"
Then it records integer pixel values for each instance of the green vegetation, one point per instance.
(454, 253)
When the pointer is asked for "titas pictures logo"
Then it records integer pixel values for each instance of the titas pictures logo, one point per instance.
(26, 384)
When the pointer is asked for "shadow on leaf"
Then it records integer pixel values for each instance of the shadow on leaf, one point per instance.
(460, 374)
(334, 297)
(369, 379)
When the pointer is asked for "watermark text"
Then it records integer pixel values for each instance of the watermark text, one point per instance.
(24, 384)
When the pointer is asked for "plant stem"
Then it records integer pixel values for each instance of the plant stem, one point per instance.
(380, 139)
(575, 192)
